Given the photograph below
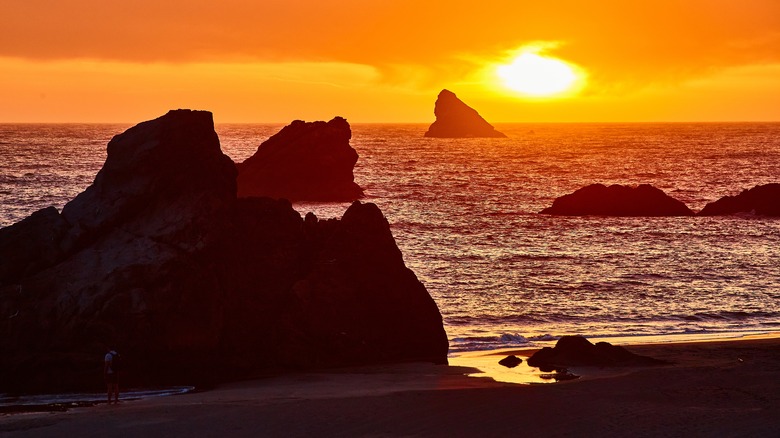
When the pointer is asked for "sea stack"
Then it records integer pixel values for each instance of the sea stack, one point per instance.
(618, 200)
(303, 162)
(761, 200)
(193, 285)
(455, 119)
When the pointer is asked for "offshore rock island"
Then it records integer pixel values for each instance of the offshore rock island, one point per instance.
(160, 258)
(303, 162)
(618, 200)
(646, 200)
(455, 119)
(763, 200)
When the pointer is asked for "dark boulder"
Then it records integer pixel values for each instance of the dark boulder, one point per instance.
(578, 351)
(760, 200)
(455, 119)
(510, 361)
(303, 162)
(194, 285)
(618, 200)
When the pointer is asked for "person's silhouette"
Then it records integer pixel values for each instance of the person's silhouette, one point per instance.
(111, 374)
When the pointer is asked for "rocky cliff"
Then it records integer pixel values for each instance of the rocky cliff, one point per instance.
(618, 200)
(192, 284)
(455, 119)
(303, 162)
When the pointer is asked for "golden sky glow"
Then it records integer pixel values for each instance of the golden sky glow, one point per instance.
(274, 61)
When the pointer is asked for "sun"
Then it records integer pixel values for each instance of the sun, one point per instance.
(540, 76)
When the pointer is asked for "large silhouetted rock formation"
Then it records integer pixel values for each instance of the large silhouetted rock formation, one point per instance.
(578, 351)
(761, 200)
(303, 162)
(159, 257)
(455, 119)
(618, 200)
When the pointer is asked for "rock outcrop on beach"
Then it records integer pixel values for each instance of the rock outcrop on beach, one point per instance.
(761, 200)
(618, 200)
(510, 361)
(192, 284)
(578, 351)
(455, 119)
(303, 162)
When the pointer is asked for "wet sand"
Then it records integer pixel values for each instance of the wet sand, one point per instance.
(724, 388)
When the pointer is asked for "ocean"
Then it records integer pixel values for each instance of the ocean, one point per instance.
(465, 214)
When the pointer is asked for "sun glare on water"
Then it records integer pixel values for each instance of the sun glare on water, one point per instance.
(540, 76)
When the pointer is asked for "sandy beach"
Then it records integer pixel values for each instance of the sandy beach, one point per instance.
(724, 388)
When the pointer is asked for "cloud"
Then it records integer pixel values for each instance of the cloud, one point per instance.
(405, 49)
(613, 36)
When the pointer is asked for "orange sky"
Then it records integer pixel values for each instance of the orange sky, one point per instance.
(384, 61)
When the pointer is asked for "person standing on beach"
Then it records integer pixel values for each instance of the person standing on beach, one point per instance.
(111, 374)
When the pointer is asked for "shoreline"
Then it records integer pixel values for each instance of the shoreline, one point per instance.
(548, 340)
(727, 387)
(482, 364)
(486, 361)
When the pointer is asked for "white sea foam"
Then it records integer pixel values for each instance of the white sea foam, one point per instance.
(545, 337)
